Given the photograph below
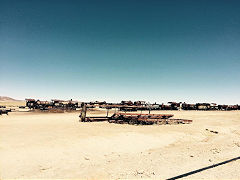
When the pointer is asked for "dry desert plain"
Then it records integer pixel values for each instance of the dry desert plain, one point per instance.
(56, 145)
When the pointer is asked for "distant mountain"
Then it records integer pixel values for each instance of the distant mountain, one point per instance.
(5, 98)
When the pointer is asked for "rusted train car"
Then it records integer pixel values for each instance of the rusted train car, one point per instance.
(53, 104)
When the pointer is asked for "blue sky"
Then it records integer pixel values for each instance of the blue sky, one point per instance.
(150, 50)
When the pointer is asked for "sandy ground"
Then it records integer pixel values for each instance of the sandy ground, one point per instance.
(46, 145)
(12, 103)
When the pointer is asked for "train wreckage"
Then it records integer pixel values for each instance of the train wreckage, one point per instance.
(126, 106)
(133, 118)
(5, 111)
(53, 104)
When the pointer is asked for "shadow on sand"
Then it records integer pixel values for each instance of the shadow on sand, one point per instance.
(203, 169)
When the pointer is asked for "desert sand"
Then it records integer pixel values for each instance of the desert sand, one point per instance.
(56, 145)
(12, 103)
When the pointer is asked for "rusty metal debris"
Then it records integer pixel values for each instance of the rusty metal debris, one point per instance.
(138, 119)
(53, 105)
(127, 106)
(215, 132)
(145, 119)
(5, 111)
(133, 118)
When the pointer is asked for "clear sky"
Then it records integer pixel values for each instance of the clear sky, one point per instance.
(153, 50)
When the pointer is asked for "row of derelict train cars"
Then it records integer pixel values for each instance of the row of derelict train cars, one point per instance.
(56, 105)
(125, 105)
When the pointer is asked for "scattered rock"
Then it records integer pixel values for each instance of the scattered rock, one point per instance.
(140, 172)
(237, 144)
(86, 158)
(44, 168)
(215, 132)
(215, 151)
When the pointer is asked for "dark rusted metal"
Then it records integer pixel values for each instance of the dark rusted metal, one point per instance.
(51, 105)
(5, 111)
(133, 118)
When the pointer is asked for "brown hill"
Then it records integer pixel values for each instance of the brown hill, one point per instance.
(5, 98)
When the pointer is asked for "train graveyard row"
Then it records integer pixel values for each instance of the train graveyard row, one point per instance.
(126, 105)
(56, 105)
